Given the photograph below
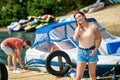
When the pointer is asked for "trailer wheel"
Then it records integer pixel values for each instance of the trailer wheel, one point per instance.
(62, 62)
(3, 72)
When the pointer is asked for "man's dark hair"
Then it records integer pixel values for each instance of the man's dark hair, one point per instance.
(28, 42)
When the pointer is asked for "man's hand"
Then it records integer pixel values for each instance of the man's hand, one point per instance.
(24, 67)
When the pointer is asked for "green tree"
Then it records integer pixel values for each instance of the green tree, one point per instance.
(14, 10)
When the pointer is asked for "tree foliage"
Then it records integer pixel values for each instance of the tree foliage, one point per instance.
(14, 10)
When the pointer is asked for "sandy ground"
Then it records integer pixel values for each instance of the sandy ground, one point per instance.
(34, 75)
(109, 18)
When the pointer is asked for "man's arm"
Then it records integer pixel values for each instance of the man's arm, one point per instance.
(18, 52)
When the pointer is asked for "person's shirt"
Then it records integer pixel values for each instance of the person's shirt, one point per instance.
(87, 37)
(14, 43)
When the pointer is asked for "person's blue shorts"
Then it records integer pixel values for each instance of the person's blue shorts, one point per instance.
(84, 57)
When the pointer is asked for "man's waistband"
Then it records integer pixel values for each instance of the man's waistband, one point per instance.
(91, 48)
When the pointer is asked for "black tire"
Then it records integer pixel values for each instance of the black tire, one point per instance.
(62, 71)
(3, 72)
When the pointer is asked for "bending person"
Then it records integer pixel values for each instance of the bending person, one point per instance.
(13, 47)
